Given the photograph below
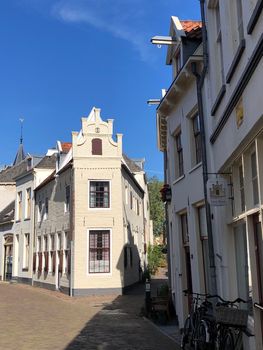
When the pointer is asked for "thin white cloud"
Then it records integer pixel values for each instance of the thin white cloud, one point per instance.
(121, 18)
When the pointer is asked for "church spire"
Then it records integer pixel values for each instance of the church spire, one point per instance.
(20, 155)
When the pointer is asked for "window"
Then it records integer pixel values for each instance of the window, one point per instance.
(52, 242)
(125, 257)
(240, 27)
(184, 227)
(46, 209)
(67, 201)
(39, 211)
(26, 250)
(96, 147)
(131, 200)
(177, 65)
(179, 149)
(45, 244)
(99, 251)
(59, 243)
(99, 194)
(197, 139)
(218, 49)
(138, 207)
(254, 178)
(126, 195)
(28, 203)
(241, 187)
(39, 248)
(19, 206)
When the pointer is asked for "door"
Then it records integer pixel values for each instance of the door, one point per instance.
(8, 262)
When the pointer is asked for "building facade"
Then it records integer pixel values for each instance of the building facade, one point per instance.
(92, 227)
(230, 105)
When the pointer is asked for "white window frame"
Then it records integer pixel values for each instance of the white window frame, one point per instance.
(99, 180)
(99, 274)
(27, 201)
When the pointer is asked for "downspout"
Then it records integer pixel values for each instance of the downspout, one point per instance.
(167, 221)
(200, 78)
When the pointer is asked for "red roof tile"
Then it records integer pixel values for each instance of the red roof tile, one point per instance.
(192, 28)
(66, 146)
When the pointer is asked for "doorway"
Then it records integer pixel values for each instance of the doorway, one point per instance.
(8, 257)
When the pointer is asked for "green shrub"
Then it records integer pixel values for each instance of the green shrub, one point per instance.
(155, 258)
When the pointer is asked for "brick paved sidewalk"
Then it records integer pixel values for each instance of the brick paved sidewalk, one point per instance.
(34, 318)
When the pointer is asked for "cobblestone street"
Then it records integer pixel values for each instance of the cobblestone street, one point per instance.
(34, 318)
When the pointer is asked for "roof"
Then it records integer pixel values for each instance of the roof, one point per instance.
(11, 172)
(66, 146)
(48, 162)
(20, 156)
(134, 168)
(192, 28)
(8, 213)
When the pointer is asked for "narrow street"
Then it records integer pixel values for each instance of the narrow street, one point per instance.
(34, 318)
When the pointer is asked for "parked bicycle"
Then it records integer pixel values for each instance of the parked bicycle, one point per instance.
(199, 307)
(222, 331)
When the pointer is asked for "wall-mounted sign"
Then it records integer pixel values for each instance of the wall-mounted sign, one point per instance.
(217, 192)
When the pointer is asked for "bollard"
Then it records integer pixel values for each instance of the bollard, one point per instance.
(148, 300)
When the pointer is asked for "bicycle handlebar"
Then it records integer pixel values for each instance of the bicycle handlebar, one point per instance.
(209, 296)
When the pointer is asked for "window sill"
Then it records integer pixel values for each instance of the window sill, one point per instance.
(99, 208)
(25, 269)
(237, 57)
(178, 179)
(195, 167)
(27, 219)
(17, 221)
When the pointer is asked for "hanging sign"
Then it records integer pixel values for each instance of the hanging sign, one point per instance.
(217, 192)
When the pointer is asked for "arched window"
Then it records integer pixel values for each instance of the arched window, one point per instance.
(96, 147)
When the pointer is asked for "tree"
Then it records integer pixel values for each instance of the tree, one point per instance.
(157, 212)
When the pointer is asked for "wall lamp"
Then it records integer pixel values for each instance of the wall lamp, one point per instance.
(153, 101)
(163, 40)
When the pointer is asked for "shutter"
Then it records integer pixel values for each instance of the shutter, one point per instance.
(60, 261)
(34, 262)
(46, 261)
(53, 262)
(96, 147)
(68, 261)
(40, 262)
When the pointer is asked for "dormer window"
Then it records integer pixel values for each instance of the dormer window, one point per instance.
(29, 164)
(96, 147)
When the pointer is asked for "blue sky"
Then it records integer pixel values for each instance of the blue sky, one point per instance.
(59, 58)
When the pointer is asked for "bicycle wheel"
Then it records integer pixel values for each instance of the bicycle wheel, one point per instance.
(201, 341)
(228, 341)
(186, 332)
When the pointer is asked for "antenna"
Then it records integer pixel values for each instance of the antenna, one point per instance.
(21, 136)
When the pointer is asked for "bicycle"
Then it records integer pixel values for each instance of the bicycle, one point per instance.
(223, 331)
(198, 309)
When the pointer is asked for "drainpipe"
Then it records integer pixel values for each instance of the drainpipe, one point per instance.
(200, 78)
(168, 242)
